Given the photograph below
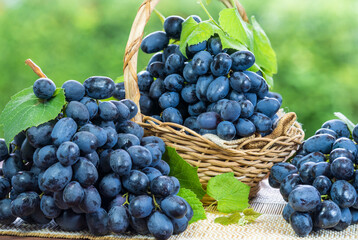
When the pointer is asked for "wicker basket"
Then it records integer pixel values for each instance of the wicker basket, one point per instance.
(250, 158)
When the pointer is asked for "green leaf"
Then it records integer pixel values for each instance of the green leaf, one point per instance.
(349, 123)
(184, 172)
(250, 215)
(194, 202)
(262, 49)
(233, 24)
(231, 194)
(227, 220)
(25, 110)
(188, 27)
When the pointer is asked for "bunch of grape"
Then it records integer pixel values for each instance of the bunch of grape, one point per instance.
(211, 91)
(91, 168)
(321, 182)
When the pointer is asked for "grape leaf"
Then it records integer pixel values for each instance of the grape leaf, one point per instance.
(184, 172)
(264, 54)
(231, 194)
(194, 202)
(25, 110)
(227, 220)
(250, 215)
(345, 120)
(233, 24)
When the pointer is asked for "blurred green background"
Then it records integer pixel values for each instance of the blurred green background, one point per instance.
(316, 44)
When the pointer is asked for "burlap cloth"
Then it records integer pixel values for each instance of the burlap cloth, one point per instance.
(268, 226)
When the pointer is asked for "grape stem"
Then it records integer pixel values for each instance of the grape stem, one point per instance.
(35, 68)
(126, 195)
(157, 206)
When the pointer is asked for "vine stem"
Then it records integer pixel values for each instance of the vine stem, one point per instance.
(35, 68)
(209, 15)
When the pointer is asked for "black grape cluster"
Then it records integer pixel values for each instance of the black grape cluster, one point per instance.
(321, 182)
(211, 91)
(91, 168)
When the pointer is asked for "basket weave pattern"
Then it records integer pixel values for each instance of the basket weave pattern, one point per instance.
(250, 159)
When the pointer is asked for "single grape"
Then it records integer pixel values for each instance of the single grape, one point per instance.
(25, 204)
(214, 45)
(70, 221)
(39, 136)
(273, 183)
(319, 143)
(173, 26)
(275, 95)
(218, 89)
(169, 50)
(141, 206)
(68, 153)
(108, 111)
(91, 105)
(201, 46)
(252, 97)
(345, 221)
(119, 91)
(97, 222)
(157, 89)
(112, 137)
(343, 193)
(188, 73)
(304, 198)
(327, 131)
(162, 186)
(342, 168)
(321, 168)
(4, 151)
(130, 127)
(268, 106)
(48, 207)
(242, 60)
(12, 165)
(179, 225)
(78, 112)
(154, 42)
(169, 99)
(110, 185)
(98, 87)
(144, 80)
(124, 112)
(327, 215)
(287, 212)
(86, 141)
(74, 90)
(99, 132)
(85, 172)
(226, 130)
(209, 120)
(59, 201)
(56, 177)
(44, 88)
(174, 64)
(172, 115)
(346, 143)
(91, 200)
(157, 57)
(240, 82)
(305, 172)
(139, 225)
(201, 62)
(104, 162)
(244, 127)
(155, 151)
(118, 221)
(160, 226)
(338, 126)
(191, 122)
(262, 123)
(163, 167)
(231, 111)
(221, 64)
(157, 70)
(197, 108)
(5, 186)
(26, 151)
(6, 216)
(301, 223)
(288, 184)
(173, 206)
(63, 131)
(174, 82)
(135, 182)
(21, 182)
(322, 184)
(73, 194)
(45, 157)
(126, 140)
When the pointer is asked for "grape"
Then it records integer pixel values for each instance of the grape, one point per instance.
(201, 61)
(287, 212)
(133, 109)
(262, 123)
(44, 88)
(226, 130)
(252, 97)
(78, 112)
(155, 152)
(5, 187)
(160, 226)
(25, 204)
(63, 131)
(141, 156)
(120, 162)
(327, 215)
(192, 123)
(218, 89)
(85, 172)
(139, 225)
(6, 216)
(288, 184)
(231, 111)
(130, 127)
(208, 120)
(345, 221)
(321, 168)
(176, 185)
(202, 86)
(257, 81)
(188, 93)
(73, 194)
(305, 172)
(268, 106)
(172, 115)
(45, 157)
(21, 182)
(157, 70)
(68, 153)
(221, 64)
(162, 186)
(163, 167)
(172, 48)
(119, 91)
(312, 157)
(197, 108)
(197, 47)
(346, 143)
(146, 104)
(155, 42)
(343, 194)
(157, 89)
(70, 221)
(174, 82)
(174, 64)
(154, 139)
(275, 95)
(301, 223)
(86, 141)
(112, 137)
(91, 201)
(179, 225)
(141, 206)
(91, 105)
(340, 152)
(123, 110)
(108, 111)
(136, 182)
(151, 173)
(59, 200)
(157, 57)
(242, 60)
(304, 198)
(244, 127)
(38, 217)
(110, 185)
(99, 87)
(74, 90)
(4, 151)
(342, 168)
(263, 90)
(319, 143)
(118, 221)
(354, 213)
(338, 126)
(188, 73)
(172, 26)
(322, 184)
(328, 131)
(273, 183)
(281, 170)
(97, 222)
(247, 109)
(11, 166)
(56, 177)
(169, 99)
(99, 132)
(126, 140)
(27, 151)
(144, 80)
(48, 207)
(39, 136)
(236, 96)
(18, 140)
(173, 206)
(104, 161)
(214, 45)
(240, 82)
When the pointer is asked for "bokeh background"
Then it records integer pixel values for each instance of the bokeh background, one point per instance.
(316, 44)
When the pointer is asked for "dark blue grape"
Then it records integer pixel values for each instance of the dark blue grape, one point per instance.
(188, 93)
(287, 212)
(123, 109)
(130, 127)
(162, 186)
(236, 96)
(45, 157)
(169, 50)
(188, 73)
(169, 99)
(104, 162)
(262, 123)
(209, 120)
(85, 172)
(157, 70)
(231, 111)
(91, 105)
(133, 108)
(6, 216)
(197, 47)
(119, 92)
(240, 82)
(174, 64)
(341, 152)
(273, 183)
(221, 64)
(163, 167)
(146, 104)
(91, 201)
(97, 222)
(48, 207)
(174, 82)
(342, 168)
(73, 194)
(327, 131)
(247, 109)
(126, 140)
(112, 137)
(242, 60)
(192, 123)
(327, 215)
(70, 221)
(63, 131)
(338, 126)
(345, 221)
(78, 112)
(322, 184)
(321, 168)
(120, 162)
(39, 136)
(44, 88)
(141, 156)
(86, 141)
(173, 206)
(110, 185)
(21, 182)
(281, 170)
(99, 132)
(218, 89)
(157, 89)
(155, 42)
(201, 62)
(5, 186)
(4, 151)
(202, 86)
(157, 57)
(27, 151)
(108, 111)
(118, 219)
(68, 153)
(173, 26)
(301, 223)
(136, 182)
(180, 225)
(25, 204)
(319, 143)
(268, 106)
(93, 158)
(172, 115)
(141, 206)
(74, 90)
(99, 87)
(160, 226)
(197, 108)
(56, 177)
(144, 80)
(263, 90)
(288, 184)
(12, 165)
(154, 139)
(252, 97)
(346, 143)
(151, 173)
(315, 157)
(343, 193)
(155, 151)
(59, 201)
(214, 45)
(257, 82)
(304, 198)
(275, 95)
(244, 127)
(305, 172)
(226, 130)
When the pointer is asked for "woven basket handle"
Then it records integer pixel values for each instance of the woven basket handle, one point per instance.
(133, 45)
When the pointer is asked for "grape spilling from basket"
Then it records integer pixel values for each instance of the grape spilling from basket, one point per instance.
(320, 183)
(91, 168)
(211, 90)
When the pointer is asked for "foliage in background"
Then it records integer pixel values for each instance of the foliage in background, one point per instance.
(315, 42)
